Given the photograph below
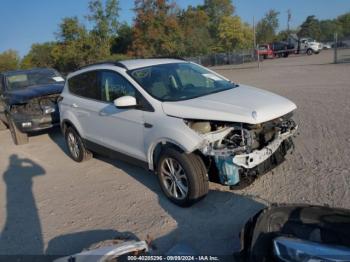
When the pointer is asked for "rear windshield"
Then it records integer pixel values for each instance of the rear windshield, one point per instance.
(24, 79)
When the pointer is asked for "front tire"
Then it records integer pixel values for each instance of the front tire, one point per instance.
(182, 177)
(309, 51)
(76, 148)
(18, 137)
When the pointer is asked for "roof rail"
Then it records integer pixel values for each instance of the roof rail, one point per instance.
(169, 57)
(115, 63)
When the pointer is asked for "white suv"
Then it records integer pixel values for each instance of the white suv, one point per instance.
(186, 123)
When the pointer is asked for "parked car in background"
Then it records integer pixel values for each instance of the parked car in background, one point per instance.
(28, 101)
(275, 49)
(183, 121)
(341, 44)
(327, 45)
(309, 46)
(304, 45)
(265, 51)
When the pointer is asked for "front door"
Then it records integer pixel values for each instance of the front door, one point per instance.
(122, 129)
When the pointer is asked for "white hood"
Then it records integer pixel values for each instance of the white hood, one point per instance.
(242, 104)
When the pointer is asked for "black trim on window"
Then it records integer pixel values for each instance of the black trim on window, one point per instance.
(142, 102)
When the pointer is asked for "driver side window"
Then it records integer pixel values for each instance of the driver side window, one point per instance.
(114, 86)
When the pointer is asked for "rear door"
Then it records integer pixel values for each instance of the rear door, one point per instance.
(102, 123)
(82, 103)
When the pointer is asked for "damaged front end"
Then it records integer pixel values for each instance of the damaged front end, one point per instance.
(242, 151)
(36, 114)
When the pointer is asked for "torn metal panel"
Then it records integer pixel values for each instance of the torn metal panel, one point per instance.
(243, 150)
(255, 158)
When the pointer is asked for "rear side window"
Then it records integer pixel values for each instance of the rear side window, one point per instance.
(85, 85)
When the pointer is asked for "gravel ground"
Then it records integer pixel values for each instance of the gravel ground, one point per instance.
(52, 205)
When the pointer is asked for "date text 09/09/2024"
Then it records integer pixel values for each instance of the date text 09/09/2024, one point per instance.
(173, 258)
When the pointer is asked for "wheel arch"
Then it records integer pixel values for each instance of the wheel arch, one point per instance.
(310, 49)
(156, 148)
(67, 123)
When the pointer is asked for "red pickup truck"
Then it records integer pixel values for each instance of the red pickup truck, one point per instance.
(265, 51)
(276, 49)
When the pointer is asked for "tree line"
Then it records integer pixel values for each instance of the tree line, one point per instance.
(160, 28)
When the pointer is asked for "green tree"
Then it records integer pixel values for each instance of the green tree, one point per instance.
(122, 42)
(285, 34)
(105, 24)
(196, 37)
(217, 10)
(328, 28)
(70, 29)
(104, 18)
(9, 60)
(75, 47)
(40, 55)
(233, 34)
(267, 27)
(343, 22)
(310, 28)
(156, 29)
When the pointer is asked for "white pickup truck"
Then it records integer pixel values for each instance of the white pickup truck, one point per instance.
(310, 46)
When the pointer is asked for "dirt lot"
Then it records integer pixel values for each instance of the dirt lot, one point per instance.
(50, 204)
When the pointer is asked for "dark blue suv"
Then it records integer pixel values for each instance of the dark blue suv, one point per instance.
(28, 101)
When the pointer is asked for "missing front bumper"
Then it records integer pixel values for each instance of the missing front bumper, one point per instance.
(255, 158)
(240, 176)
(37, 122)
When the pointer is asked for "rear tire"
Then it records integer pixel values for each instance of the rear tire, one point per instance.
(76, 148)
(189, 177)
(18, 137)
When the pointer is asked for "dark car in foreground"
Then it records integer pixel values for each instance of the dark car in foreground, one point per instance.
(28, 101)
(296, 233)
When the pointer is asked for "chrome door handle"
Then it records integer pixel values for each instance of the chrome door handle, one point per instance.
(74, 105)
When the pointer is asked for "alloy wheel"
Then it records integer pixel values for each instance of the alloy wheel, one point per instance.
(73, 145)
(174, 178)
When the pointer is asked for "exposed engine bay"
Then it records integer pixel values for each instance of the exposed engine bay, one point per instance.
(240, 149)
(37, 106)
(36, 114)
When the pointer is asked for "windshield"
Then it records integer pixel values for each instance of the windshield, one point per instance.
(179, 81)
(23, 79)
